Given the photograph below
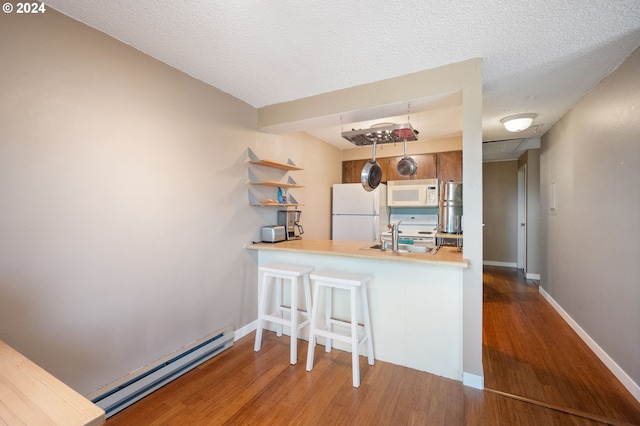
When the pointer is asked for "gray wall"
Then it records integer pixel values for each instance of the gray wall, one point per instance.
(591, 241)
(500, 212)
(123, 201)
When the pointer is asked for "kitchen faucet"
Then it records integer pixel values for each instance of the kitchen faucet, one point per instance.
(394, 235)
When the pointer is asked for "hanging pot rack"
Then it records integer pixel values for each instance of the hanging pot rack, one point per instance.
(380, 134)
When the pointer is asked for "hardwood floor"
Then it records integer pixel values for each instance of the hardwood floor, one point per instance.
(242, 387)
(530, 351)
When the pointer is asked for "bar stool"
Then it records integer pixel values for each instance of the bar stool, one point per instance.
(276, 273)
(354, 283)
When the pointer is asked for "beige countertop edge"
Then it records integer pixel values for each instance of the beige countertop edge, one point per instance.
(445, 256)
(38, 397)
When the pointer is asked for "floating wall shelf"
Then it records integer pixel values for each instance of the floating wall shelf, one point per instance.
(289, 165)
(274, 165)
(256, 199)
(289, 184)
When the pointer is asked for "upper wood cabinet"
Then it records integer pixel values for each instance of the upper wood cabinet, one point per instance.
(444, 166)
(450, 166)
(427, 166)
(351, 170)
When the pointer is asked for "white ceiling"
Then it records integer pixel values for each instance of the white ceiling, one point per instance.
(539, 56)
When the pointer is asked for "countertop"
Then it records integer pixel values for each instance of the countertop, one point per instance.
(445, 235)
(445, 255)
(29, 395)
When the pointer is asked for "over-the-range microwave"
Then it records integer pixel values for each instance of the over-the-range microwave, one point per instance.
(412, 193)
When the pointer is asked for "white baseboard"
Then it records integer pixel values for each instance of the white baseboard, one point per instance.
(243, 331)
(473, 380)
(532, 276)
(503, 264)
(624, 378)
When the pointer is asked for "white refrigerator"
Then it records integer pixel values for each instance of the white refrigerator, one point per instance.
(358, 215)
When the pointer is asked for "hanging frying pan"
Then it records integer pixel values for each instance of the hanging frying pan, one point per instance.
(371, 173)
(407, 166)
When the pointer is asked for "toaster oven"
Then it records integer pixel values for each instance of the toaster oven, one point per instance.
(272, 234)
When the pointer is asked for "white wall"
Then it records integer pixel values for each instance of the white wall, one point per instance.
(322, 166)
(123, 201)
(591, 240)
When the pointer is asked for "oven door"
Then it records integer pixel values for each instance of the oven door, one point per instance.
(428, 241)
(425, 241)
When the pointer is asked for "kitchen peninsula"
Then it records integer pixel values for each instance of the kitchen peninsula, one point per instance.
(415, 299)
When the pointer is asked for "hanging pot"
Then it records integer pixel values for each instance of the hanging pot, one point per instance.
(407, 166)
(371, 173)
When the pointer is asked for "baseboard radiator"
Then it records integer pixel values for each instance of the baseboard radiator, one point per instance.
(121, 394)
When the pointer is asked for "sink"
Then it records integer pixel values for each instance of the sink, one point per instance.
(405, 248)
(373, 247)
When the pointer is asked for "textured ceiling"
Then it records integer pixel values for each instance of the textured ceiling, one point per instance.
(538, 56)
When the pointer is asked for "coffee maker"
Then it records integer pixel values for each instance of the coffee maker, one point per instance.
(290, 219)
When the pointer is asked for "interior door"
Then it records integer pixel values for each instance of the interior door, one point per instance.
(522, 218)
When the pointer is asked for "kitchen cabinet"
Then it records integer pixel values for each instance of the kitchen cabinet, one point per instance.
(351, 170)
(426, 167)
(444, 166)
(450, 166)
(388, 166)
(273, 179)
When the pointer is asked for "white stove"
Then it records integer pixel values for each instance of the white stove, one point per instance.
(417, 229)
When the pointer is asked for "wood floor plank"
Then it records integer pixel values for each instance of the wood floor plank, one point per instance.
(483, 408)
(528, 351)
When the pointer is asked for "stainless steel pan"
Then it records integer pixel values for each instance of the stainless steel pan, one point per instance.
(407, 166)
(371, 173)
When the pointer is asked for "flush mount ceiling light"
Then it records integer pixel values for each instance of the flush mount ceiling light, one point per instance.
(382, 133)
(519, 122)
